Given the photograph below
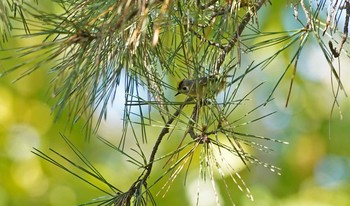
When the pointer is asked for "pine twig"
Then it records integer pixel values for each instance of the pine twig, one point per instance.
(229, 46)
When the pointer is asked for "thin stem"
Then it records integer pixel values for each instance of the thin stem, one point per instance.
(141, 181)
(235, 38)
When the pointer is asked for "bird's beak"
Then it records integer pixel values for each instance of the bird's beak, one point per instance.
(177, 93)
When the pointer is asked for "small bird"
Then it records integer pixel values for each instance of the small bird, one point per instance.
(203, 87)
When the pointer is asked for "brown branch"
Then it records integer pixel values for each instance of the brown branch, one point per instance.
(216, 13)
(142, 180)
(346, 25)
(209, 42)
(335, 52)
(229, 46)
(205, 6)
(194, 119)
(330, 17)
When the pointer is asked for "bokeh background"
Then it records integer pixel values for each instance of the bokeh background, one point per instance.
(315, 165)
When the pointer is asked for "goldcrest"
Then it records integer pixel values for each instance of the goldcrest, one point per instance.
(201, 87)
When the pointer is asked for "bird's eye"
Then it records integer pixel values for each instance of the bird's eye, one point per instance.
(185, 88)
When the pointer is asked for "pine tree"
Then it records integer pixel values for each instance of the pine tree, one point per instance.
(93, 47)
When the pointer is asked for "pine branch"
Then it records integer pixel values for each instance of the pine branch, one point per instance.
(246, 19)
